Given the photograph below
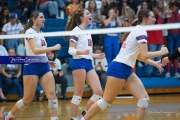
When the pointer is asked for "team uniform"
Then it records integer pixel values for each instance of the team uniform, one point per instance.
(38, 69)
(83, 42)
(122, 65)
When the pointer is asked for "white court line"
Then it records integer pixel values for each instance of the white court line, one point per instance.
(124, 97)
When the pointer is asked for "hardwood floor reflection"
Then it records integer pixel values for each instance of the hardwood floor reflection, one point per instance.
(161, 107)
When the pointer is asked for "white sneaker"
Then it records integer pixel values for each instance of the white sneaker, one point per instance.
(177, 75)
(167, 75)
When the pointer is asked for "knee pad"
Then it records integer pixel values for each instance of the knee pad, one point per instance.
(76, 100)
(20, 105)
(103, 104)
(53, 104)
(143, 102)
(95, 97)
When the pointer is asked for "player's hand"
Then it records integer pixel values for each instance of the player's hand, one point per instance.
(164, 50)
(159, 66)
(57, 47)
(165, 60)
(102, 55)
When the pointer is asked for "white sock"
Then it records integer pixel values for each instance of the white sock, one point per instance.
(54, 118)
(10, 115)
(74, 118)
(82, 118)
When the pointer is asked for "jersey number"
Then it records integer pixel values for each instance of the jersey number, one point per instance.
(89, 42)
(43, 43)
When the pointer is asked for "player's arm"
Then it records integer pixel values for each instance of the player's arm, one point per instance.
(175, 55)
(145, 54)
(74, 52)
(156, 64)
(37, 50)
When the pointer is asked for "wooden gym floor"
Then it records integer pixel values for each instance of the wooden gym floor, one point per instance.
(161, 107)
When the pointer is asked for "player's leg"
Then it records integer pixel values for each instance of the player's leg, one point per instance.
(48, 84)
(135, 86)
(94, 82)
(30, 83)
(113, 87)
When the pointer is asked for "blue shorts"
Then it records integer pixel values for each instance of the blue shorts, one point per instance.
(37, 69)
(119, 70)
(82, 64)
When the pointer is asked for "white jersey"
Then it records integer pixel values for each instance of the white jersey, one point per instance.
(12, 29)
(40, 43)
(130, 50)
(83, 42)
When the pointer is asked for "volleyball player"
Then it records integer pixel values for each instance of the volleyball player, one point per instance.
(171, 57)
(82, 69)
(36, 72)
(120, 70)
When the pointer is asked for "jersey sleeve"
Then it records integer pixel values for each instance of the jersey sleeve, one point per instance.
(74, 38)
(141, 35)
(29, 32)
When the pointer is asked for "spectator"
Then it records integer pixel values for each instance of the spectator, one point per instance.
(162, 12)
(4, 17)
(73, 8)
(58, 74)
(173, 40)
(135, 5)
(21, 49)
(144, 5)
(61, 4)
(11, 28)
(92, 8)
(111, 41)
(155, 42)
(51, 6)
(128, 16)
(25, 6)
(100, 65)
(11, 74)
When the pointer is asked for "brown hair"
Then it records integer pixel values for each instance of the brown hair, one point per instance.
(30, 22)
(75, 20)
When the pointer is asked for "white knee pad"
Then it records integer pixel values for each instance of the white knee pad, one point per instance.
(76, 100)
(143, 102)
(53, 104)
(103, 104)
(20, 105)
(95, 97)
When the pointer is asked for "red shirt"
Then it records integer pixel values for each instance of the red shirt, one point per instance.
(175, 18)
(42, 1)
(156, 36)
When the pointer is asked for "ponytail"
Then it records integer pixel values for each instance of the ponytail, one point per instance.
(72, 23)
(29, 25)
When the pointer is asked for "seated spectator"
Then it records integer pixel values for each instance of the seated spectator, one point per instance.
(25, 6)
(61, 4)
(4, 17)
(21, 49)
(11, 28)
(51, 6)
(10, 76)
(101, 65)
(58, 74)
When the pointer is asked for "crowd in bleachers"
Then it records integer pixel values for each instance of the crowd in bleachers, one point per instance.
(14, 15)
